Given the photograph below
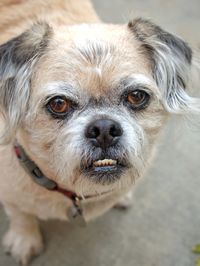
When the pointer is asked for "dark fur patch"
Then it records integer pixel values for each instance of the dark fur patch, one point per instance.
(144, 29)
(17, 57)
(23, 48)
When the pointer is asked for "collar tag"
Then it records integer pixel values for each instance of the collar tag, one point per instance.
(75, 213)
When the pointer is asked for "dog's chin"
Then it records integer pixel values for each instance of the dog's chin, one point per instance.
(106, 171)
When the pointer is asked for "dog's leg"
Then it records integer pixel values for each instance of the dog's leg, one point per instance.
(126, 201)
(23, 240)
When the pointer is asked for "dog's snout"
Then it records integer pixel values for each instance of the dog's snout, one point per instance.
(104, 132)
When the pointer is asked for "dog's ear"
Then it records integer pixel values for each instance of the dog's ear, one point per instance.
(17, 59)
(171, 63)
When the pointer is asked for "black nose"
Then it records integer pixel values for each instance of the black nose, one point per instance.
(104, 132)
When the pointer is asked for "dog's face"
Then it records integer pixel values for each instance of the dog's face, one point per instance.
(88, 101)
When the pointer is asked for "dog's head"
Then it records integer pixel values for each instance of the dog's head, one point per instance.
(88, 101)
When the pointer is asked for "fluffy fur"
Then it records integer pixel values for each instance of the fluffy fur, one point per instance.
(70, 53)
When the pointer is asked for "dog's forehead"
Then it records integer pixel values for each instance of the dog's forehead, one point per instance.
(93, 58)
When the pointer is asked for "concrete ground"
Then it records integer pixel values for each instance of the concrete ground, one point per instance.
(163, 224)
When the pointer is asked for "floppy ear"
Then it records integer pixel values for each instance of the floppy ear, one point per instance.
(171, 60)
(17, 59)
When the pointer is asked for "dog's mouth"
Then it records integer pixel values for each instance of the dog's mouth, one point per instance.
(104, 165)
(106, 170)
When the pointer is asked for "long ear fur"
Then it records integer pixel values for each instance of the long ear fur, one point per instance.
(17, 59)
(171, 60)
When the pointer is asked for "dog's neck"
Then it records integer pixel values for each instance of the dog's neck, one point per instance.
(79, 207)
(39, 178)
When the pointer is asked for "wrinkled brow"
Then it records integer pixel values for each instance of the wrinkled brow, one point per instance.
(139, 80)
(95, 52)
(61, 88)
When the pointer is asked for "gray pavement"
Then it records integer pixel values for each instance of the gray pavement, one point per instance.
(163, 224)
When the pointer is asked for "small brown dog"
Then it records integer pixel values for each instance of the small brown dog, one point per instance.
(82, 105)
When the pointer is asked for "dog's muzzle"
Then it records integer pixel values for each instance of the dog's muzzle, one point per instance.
(107, 163)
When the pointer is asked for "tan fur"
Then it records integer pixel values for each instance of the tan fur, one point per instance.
(16, 16)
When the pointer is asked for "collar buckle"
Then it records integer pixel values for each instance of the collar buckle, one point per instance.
(75, 213)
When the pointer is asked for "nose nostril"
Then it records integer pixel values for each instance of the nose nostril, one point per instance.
(115, 131)
(96, 132)
(93, 132)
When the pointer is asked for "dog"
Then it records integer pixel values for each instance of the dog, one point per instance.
(82, 106)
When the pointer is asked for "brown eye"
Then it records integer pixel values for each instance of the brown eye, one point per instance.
(59, 105)
(138, 99)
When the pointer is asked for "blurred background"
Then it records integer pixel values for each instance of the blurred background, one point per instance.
(163, 224)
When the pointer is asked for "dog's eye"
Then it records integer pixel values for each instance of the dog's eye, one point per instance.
(59, 105)
(137, 99)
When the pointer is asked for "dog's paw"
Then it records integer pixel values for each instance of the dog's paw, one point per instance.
(23, 245)
(125, 202)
